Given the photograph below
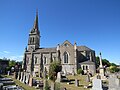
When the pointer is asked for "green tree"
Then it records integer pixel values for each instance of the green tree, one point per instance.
(80, 71)
(12, 63)
(113, 64)
(113, 69)
(54, 68)
(104, 62)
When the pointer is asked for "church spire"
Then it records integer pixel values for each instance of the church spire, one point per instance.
(36, 21)
(35, 28)
(34, 35)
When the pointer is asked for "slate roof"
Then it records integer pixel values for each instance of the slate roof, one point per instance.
(83, 48)
(46, 49)
(88, 62)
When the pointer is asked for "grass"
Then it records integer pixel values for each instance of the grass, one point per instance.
(82, 83)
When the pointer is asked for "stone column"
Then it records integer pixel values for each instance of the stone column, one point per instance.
(75, 57)
(101, 69)
(100, 60)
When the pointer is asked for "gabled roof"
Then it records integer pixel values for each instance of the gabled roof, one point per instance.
(67, 42)
(83, 48)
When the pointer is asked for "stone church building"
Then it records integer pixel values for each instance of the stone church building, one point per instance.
(71, 56)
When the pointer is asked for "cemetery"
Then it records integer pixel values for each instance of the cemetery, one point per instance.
(21, 80)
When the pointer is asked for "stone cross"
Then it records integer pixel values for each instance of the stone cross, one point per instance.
(100, 60)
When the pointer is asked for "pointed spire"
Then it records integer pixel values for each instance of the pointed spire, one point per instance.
(36, 21)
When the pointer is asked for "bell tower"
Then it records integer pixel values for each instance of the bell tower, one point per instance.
(34, 36)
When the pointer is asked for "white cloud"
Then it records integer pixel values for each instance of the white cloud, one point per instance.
(17, 58)
(6, 52)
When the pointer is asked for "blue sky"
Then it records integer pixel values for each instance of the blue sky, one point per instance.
(94, 23)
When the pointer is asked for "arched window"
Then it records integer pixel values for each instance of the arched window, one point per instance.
(44, 60)
(33, 40)
(35, 60)
(65, 57)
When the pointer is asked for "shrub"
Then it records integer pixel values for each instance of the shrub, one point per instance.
(80, 71)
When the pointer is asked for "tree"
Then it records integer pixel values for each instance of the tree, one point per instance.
(80, 71)
(113, 64)
(113, 69)
(54, 68)
(104, 62)
(12, 63)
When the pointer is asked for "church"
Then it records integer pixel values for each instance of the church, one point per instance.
(71, 56)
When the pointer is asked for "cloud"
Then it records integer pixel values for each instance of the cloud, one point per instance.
(6, 52)
(17, 58)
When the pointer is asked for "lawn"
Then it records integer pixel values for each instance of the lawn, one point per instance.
(82, 83)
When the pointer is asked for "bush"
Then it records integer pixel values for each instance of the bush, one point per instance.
(80, 71)
(113, 69)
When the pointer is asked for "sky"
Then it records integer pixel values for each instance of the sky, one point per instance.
(93, 23)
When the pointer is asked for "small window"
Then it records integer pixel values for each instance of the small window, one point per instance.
(86, 67)
(66, 44)
(83, 67)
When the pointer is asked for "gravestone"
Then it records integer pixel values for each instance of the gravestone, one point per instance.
(114, 83)
(15, 75)
(73, 72)
(76, 82)
(59, 77)
(19, 75)
(88, 78)
(27, 78)
(21, 78)
(31, 81)
(97, 84)
(8, 73)
(65, 72)
(24, 77)
(1, 86)
(52, 86)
